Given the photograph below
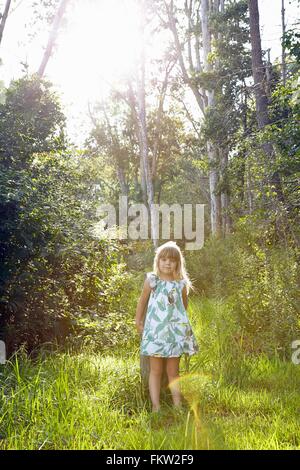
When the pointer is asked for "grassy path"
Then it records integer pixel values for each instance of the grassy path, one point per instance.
(94, 401)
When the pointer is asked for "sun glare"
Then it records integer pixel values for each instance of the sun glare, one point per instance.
(99, 45)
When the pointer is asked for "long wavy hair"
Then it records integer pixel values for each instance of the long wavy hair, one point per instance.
(171, 250)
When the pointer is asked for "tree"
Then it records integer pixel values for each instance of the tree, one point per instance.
(52, 37)
(201, 70)
(56, 278)
(258, 68)
(283, 55)
(224, 120)
(133, 93)
(31, 121)
(260, 89)
(4, 18)
(204, 98)
(114, 140)
(109, 139)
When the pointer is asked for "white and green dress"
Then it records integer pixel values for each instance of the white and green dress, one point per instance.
(167, 330)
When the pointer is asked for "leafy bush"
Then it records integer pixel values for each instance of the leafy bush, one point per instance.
(31, 120)
(57, 279)
(261, 282)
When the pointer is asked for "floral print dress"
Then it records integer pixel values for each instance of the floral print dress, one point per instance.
(167, 330)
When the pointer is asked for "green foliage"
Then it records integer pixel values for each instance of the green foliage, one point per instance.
(285, 133)
(259, 281)
(220, 124)
(56, 278)
(291, 41)
(31, 121)
(232, 30)
(265, 185)
(232, 66)
(113, 140)
(95, 401)
(206, 80)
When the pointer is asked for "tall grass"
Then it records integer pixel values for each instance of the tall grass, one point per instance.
(90, 400)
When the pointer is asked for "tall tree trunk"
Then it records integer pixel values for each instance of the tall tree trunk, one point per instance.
(258, 67)
(261, 99)
(226, 220)
(200, 98)
(122, 180)
(143, 133)
(249, 185)
(215, 200)
(52, 37)
(4, 18)
(269, 75)
(205, 98)
(159, 117)
(133, 104)
(283, 46)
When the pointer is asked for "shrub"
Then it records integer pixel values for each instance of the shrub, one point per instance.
(57, 279)
(259, 279)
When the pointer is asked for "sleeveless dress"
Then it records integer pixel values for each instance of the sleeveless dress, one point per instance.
(167, 330)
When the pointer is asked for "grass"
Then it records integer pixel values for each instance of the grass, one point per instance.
(95, 401)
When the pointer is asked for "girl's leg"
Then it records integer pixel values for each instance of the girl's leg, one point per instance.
(156, 369)
(173, 374)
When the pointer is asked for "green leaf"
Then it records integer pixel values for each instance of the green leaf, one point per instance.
(161, 305)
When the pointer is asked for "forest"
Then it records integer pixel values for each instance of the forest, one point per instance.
(196, 111)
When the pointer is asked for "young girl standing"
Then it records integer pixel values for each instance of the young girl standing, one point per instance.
(166, 330)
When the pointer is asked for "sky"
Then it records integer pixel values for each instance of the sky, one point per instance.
(99, 43)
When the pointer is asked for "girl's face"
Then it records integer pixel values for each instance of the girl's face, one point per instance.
(167, 265)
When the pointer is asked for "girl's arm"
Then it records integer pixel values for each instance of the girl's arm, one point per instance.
(143, 300)
(185, 297)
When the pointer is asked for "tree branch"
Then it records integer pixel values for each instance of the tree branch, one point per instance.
(4, 18)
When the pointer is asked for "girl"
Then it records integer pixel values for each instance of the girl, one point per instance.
(166, 332)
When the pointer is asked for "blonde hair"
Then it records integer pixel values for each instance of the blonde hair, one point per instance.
(171, 250)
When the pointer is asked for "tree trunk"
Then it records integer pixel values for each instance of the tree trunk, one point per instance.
(215, 202)
(205, 98)
(249, 186)
(261, 99)
(135, 115)
(122, 180)
(226, 221)
(4, 18)
(214, 198)
(283, 46)
(53, 35)
(143, 135)
(258, 67)
(159, 117)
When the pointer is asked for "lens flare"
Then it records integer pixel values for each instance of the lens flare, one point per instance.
(193, 386)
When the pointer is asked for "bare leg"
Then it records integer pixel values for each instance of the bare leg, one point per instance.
(156, 369)
(173, 374)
